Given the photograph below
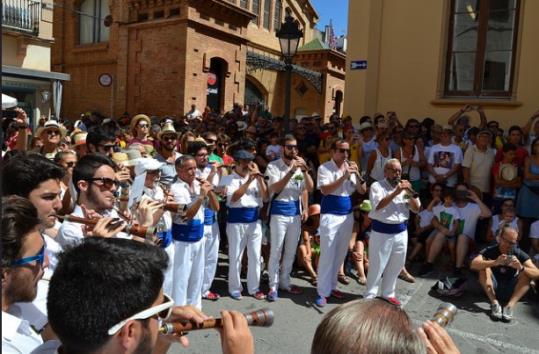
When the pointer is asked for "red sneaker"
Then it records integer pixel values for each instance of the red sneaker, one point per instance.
(337, 294)
(393, 300)
(211, 296)
(259, 295)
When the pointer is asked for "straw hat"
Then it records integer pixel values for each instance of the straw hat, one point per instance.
(49, 125)
(168, 128)
(137, 118)
(120, 158)
(79, 138)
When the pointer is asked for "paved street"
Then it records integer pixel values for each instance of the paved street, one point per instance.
(296, 319)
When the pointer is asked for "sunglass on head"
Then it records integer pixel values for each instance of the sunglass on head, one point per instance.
(39, 258)
(163, 312)
(105, 182)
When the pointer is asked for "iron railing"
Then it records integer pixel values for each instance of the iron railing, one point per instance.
(21, 15)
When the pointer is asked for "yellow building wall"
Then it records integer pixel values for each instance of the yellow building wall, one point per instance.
(405, 43)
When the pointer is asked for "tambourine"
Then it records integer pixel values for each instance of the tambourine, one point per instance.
(508, 172)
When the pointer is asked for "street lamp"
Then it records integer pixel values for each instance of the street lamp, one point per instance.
(289, 35)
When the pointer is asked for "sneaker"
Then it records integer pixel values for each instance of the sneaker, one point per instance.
(294, 290)
(273, 296)
(321, 301)
(337, 294)
(496, 311)
(393, 300)
(236, 295)
(507, 314)
(211, 296)
(259, 295)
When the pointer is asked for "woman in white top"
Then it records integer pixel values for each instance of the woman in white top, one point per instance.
(412, 160)
(377, 161)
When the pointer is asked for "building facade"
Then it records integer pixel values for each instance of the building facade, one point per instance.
(26, 57)
(160, 57)
(429, 58)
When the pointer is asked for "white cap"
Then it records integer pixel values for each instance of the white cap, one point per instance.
(147, 164)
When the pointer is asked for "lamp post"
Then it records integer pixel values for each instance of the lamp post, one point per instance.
(289, 35)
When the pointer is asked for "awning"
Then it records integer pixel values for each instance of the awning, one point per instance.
(8, 102)
(30, 73)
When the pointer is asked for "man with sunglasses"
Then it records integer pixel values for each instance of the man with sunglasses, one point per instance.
(23, 263)
(51, 135)
(502, 273)
(167, 154)
(94, 179)
(107, 297)
(337, 180)
(211, 141)
(289, 185)
(100, 141)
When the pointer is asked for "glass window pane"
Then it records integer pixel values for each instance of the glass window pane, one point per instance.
(243, 3)
(464, 33)
(86, 22)
(267, 11)
(497, 72)
(500, 30)
(277, 15)
(462, 71)
(104, 31)
(466, 6)
(256, 10)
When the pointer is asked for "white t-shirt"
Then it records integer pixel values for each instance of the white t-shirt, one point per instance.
(443, 158)
(446, 215)
(496, 223)
(276, 171)
(396, 212)
(534, 229)
(328, 173)
(469, 216)
(182, 194)
(252, 198)
(425, 218)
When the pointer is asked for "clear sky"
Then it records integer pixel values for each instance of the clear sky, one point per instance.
(336, 10)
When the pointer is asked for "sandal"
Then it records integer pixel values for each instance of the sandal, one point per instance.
(406, 277)
(343, 279)
(362, 280)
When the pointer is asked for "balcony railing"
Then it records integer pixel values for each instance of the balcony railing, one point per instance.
(21, 15)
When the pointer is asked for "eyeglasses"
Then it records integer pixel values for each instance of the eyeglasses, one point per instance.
(396, 170)
(53, 132)
(163, 312)
(71, 164)
(291, 147)
(342, 151)
(168, 137)
(39, 258)
(105, 182)
(107, 146)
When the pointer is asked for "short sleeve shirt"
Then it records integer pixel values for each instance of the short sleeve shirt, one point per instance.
(493, 252)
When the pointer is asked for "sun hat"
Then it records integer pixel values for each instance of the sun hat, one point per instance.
(147, 164)
(167, 129)
(365, 125)
(133, 157)
(49, 125)
(120, 158)
(137, 118)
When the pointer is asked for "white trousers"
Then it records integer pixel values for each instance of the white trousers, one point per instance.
(211, 255)
(168, 281)
(387, 254)
(335, 234)
(241, 236)
(285, 231)
(188, 273)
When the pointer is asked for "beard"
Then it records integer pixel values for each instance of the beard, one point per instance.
(394, 181)
(99, 203)
(289, 156)
(23, 287)
(145, 346)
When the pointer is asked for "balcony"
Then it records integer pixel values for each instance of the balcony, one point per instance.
(21, 15)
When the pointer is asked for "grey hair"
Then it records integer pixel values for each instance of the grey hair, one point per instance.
(390, 162)
(180, 161)
(367, 326)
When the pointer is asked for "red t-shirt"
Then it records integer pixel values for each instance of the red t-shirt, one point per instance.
(520, 156)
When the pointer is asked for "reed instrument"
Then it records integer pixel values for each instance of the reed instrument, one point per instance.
(136, 230)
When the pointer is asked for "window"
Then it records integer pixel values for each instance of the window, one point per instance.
(267, 13)
(91, 25)
(277, 14)
(256, 10)
(481, 48)
(243, 3)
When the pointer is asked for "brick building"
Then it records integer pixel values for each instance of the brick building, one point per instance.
(161, 56)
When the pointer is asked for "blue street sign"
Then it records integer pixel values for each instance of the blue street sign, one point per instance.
(358, 65)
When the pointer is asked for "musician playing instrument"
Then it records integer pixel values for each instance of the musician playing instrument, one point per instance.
(391, 200)
(337, 180)
(289, 183)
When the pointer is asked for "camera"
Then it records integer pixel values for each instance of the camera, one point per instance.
(461, 194)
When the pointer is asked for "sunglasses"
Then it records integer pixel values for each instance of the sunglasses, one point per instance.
(143, 125)
(107, 146)
(211, 141)
(163, 312)
(39, 258)
(168, 137)
(291, 147)
(105, 182)
(53, 132)
(71, 164)
(342, 151)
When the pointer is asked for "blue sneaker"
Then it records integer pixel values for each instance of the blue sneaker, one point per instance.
(321, 301)
(236, 295)
(272, 296)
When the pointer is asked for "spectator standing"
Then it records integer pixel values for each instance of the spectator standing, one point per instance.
(444, 160)
(477, 165)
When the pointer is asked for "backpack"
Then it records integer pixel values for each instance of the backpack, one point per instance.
(450, 286)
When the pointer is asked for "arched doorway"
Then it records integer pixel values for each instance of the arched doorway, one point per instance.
(253, 94)
(338, 102)
(216, 84)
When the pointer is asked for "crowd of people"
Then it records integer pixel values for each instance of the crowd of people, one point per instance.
(332, 199)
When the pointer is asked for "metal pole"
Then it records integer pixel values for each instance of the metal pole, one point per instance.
(288, 97)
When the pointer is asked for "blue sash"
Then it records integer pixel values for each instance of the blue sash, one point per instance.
(166, 238)
(190, 232)
(336, 205)
(384, 228)
(209, 216)
(285, 208)
(242, 215)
